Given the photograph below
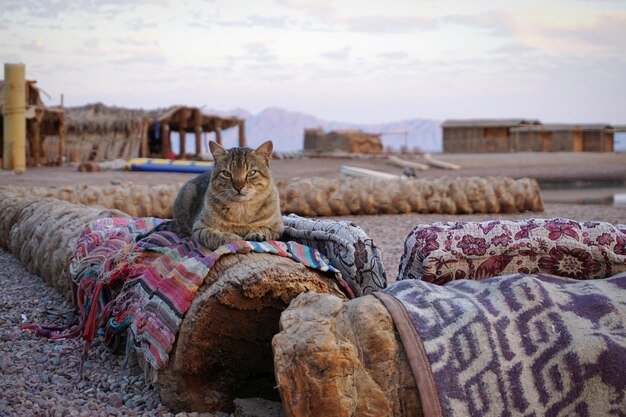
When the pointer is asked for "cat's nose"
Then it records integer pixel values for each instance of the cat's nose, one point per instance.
(237, 186)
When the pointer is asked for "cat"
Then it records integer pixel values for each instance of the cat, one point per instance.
(236, 200)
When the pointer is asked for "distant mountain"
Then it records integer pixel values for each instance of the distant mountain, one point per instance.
(286, 129)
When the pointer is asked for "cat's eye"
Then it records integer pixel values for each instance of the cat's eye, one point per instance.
(226, 174)
(251, 173)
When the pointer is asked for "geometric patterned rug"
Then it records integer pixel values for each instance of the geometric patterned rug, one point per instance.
(515, 345)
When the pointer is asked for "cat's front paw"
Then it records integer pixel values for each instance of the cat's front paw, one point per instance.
(255, 236)
(226, 237)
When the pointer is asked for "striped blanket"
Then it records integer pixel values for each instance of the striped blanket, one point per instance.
(143, 289)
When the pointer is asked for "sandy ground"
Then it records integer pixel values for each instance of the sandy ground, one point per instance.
(545, 167)
(564, 178)
(38, 376)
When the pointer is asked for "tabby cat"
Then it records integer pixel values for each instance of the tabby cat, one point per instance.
(237, 200)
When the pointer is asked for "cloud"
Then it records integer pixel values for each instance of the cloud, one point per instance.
(395, 55)
(322, 9)
(341, 53)
(53, 8)
(138, 39)
(390, 23)
(143, 55)
(515, 48)
(496, 22)
(259, 51)
(607, 31)
(272, 22)
(37, 45)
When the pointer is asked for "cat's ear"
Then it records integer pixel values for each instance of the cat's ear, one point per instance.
(216, 150)
(265, 149)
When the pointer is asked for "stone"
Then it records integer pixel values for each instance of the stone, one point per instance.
(258, 407)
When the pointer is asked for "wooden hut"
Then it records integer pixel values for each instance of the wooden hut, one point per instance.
(563, 138)
(547, 138)
(183, 119)
(598, 137)
(353, 141)
(45, 128)
(480, 135)
(520, 135)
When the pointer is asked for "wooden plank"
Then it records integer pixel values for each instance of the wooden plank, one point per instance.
(440, 164)
(402, 163)
(369, 173)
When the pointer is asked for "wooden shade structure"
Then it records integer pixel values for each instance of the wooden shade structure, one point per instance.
(185, 119)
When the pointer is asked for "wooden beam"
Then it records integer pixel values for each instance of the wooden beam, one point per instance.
(62, 128)
(242, 134)
(183, 115)
(144, 138)
(395, 161)
(37, 141)
(197, 127)
(165, 141)
(218, 131)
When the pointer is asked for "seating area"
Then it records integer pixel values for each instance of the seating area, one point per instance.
(484, 317)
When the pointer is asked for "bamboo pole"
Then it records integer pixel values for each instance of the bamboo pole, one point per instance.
(14, 95)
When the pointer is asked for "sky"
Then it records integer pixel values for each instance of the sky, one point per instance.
(354, 61)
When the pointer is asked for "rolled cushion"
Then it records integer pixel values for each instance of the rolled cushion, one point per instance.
(447, 251)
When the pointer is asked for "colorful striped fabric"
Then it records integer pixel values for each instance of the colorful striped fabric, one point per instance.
(145, 288)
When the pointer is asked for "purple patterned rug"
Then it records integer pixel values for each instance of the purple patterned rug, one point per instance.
(516, 345)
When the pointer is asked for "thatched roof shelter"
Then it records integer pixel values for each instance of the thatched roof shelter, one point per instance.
(185, 119)
(41, 122)
(99, 132)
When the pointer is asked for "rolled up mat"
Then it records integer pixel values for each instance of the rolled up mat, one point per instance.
(510, 345)
(319, 196)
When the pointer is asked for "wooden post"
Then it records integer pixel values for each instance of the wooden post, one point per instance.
(14, 95)
(242, 134)
(197, 128)
(62, 128)
(183, 114)
(37, 139)
(165, 141)
(144, 138)
(218, 131)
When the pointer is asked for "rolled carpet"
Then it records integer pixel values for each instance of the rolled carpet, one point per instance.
(512, 345)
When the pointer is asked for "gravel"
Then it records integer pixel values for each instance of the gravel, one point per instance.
(39, 377)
